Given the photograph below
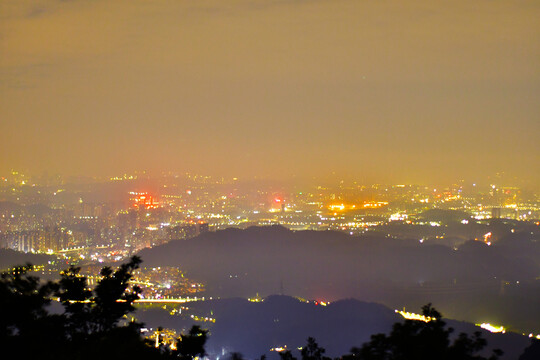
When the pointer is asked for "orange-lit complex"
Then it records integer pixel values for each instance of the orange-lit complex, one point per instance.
(144, 200)
(375, 204)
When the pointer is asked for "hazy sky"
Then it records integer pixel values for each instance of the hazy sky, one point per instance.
(391, 90)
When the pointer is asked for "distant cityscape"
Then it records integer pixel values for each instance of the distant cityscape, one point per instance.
(95, 222)
(106, 220)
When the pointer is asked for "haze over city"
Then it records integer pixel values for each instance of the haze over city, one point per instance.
(385, 91)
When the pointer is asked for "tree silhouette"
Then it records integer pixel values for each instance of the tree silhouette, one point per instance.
(286, 355)
(312, 351)
(532, 352)
(236, 356)
(191, 345)
(25, 324)
(354, 354)
(93, 325)
(414, 339)
(95, 320)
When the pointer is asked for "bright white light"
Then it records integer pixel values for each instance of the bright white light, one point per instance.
(492, 328)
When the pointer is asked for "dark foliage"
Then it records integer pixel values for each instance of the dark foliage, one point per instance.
(94, 324)
(532, 352)
(191, 345)
(236, 356)
(312, 351)
(24, 322)
(413, 339)
(286, 355)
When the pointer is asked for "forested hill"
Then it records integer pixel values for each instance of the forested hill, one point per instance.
(331, 265)
(253, 328)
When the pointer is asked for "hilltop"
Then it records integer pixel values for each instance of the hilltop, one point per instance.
(332, 265)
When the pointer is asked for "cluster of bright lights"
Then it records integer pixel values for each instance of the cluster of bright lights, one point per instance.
(452, 197)
(375, 204)
(203, 318)
(412, 316)
(339, 207)
(170, 300)
(398, 217)
(492, 328)
(322, 303)
(144, 200)
(125, 177)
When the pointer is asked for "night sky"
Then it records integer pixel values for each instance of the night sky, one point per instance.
(414, 91)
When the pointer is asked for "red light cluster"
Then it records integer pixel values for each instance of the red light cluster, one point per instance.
(144, 200)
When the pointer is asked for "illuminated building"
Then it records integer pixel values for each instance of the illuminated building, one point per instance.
(186, 231)
(143, 200)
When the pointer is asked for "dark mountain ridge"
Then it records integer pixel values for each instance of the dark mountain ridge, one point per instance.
(477, 283)
(254, 328)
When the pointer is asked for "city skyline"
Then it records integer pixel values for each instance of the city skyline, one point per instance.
(384, 92)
